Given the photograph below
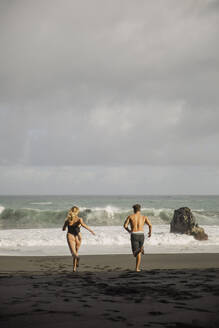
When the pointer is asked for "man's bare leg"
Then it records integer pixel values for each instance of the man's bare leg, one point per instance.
(138, 261)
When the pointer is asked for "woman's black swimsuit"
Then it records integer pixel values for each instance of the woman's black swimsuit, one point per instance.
(74, 229)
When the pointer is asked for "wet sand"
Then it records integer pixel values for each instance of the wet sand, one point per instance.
(174, 290)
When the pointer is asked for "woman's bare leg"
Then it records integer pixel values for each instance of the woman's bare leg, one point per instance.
(72, 246)
(78, 237)
(78, 244)
(74, 264)
(75, 257)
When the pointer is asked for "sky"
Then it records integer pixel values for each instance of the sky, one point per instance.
(109, 97)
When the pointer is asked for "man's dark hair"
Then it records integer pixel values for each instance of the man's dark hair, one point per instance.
(136, 208)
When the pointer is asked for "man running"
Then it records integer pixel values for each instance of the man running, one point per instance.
(137, 222)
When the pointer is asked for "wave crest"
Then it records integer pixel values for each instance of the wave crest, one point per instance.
(1, 209)
(106, 216)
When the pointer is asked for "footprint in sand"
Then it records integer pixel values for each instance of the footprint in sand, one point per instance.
(38, 310)
(164, 301)
(138, 300)
(155, 313)
(87, 305)
(113, 319)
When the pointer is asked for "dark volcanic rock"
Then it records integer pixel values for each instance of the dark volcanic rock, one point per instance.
(184, 222)
(199, 233)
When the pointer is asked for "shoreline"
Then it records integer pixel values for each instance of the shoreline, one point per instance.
(172, 290)
(108, 262)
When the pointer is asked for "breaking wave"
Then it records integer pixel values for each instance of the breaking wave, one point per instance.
(107, 216)
(42, 203)
(1, 209)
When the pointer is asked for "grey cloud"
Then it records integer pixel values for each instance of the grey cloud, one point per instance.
(109, 180)
(110, 83)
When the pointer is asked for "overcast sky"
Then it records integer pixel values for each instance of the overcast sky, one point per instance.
(109, 97)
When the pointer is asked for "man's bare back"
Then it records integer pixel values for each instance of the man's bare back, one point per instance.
(137, 222)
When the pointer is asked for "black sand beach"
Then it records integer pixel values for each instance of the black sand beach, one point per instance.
(174, 290)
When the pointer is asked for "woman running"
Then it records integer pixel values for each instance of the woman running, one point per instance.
(73, 222)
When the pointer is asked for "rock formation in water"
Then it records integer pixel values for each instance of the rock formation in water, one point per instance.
(184, 222)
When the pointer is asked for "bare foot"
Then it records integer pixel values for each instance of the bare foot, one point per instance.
(138, 270)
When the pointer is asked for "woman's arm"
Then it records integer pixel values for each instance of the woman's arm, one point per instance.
(65, 225)
(86, 227)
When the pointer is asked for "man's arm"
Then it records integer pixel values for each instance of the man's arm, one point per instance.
(147, 221)
(126, 223)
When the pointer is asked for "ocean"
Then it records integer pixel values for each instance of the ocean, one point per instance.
(32, 225)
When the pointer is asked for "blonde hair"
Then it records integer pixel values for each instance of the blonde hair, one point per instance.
(73, 213)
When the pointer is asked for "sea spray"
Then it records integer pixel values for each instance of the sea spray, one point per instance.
(108, 240)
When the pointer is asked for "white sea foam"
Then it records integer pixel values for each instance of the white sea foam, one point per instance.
(156, 211)
(108, 240)
(1, 209)
(42, 203)
(108, 209)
